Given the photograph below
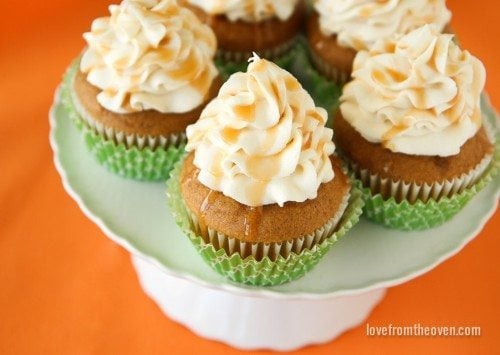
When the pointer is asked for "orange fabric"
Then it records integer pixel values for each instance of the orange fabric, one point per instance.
(66, 288)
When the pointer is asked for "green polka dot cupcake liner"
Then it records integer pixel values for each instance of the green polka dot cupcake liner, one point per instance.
(262, 264)
(412, 207)
(129, 156)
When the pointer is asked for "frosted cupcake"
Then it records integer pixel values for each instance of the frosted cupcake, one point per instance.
(338, 29)
(261, 194)
(268, 27)
(411, 127)
(146, 74)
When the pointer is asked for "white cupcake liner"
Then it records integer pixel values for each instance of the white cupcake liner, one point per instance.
(331, 72)
(412, 191)
(271, 53)
(129, 140)
(271, 250)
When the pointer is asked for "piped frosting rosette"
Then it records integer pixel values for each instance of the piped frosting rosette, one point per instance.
(262, 141)
(268, 27)
(148, 55)
(127, 155)
(358, 24)
(417, 94)
(248, 11)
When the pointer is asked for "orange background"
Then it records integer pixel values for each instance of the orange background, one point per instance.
(66, 288)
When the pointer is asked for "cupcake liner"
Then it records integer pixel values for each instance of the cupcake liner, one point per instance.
(418, 207)
(331, 72)
(271, 250)
(264, 264)
(269, 53)
(324, 92)
(147, 158)
(412, 192)
(229, 63)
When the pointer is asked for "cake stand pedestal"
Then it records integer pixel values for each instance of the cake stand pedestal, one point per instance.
(254, 322)
(338, 294)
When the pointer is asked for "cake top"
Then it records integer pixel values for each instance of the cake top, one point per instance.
(358, 24)
(248, 10)
(416, 94)
(262, 140)
(150, 54)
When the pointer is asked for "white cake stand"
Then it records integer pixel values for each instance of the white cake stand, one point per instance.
(337, 295)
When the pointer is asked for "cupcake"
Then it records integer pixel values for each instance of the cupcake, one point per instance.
(260, 193)
(411, 128)
(146, 74)
(268, 27)
(338, 29)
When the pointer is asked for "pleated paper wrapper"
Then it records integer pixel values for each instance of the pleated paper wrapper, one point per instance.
(325, 92)
(262, 264)
(409, 206)
(131, 156)
(278, 54)
(331, 72)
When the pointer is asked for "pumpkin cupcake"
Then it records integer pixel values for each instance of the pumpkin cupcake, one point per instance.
(411, 127)
(267, 27)
(146, 74)
(260, 193)
(338, 29)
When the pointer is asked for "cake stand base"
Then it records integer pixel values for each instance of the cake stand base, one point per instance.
(253, 322)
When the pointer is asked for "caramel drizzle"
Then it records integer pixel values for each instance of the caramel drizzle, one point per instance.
(252, 220)
(393, 132)
(204, 207)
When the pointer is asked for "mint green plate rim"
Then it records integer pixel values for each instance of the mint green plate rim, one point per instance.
(354, 278)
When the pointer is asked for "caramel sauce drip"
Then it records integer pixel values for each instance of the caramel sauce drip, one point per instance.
(390, 47)
(358, 44)
(263, 168)
(202, 83)
(260, 66)
(420, 98)
(205, 205)
(394, 131)
(366, 11)
(256, 191)
(292, 83)
(246, 113)
(231, 135)
(394, 76)
(186, 69)
(252, 220)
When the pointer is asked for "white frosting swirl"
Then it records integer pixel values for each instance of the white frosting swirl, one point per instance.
(416, 94)
(248, 10)
(262, 140)
(150, 54)
(359, 24)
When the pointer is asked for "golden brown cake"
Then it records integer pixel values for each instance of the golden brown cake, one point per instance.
(405, 167)
(147, 73)
(329, 57)
(269, 223)
(337, 30)
(142, 123)
(411, 117)
(267, 27)
(261, 168)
